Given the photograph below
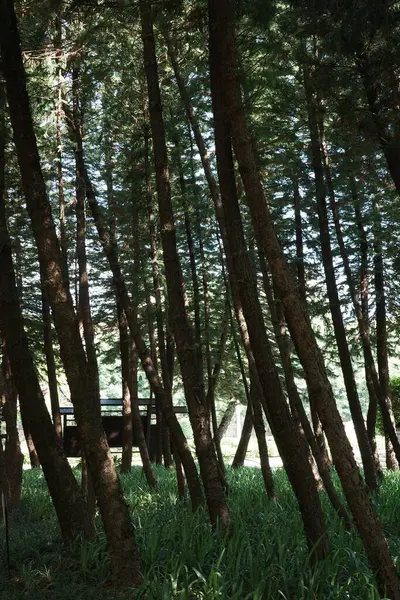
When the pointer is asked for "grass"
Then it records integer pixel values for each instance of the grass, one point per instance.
(182, 558)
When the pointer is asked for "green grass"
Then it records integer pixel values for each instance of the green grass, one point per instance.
(182, 557)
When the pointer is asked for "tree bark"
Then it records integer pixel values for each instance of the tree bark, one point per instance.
(188, 354)
(363, 293)
(320, 166)
(64, 490)
(320, 453)
(157, 286)
(114, 512)
(12, 455)
(291, 444)
(296, 316)
(50, 360)
(381, 330)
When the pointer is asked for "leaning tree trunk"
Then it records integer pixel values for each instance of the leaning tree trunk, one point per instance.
(50, 360)
(331, 285)
(381, 330)
(166, 372)
(188, 354)
(297, 318)
(119, 530)
(301, 282)
(363, 327)
(363, 293)
(12, 456)
(165, 399)
(128, 354)
(64, 490)
(291, 444)
(296, 404)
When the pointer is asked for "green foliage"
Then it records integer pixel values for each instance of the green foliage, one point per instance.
(183, 558)
(395, 397)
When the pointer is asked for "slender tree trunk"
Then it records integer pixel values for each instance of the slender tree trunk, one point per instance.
(363, 293)
(157, 286)
(164, 397)
(363, 328)
(381, 330)
(64, 490)
(227, 418)
(241, 450)
(59, 117)
(291, 444)
(320, 453)
(50, 360)
(114, 512)
(320, 165)
(188, 354)
(83, 304)
(12, 455)
(301, 282)
(320, 390)
(126, 346)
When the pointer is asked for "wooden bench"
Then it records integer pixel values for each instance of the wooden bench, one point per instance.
(113, 424)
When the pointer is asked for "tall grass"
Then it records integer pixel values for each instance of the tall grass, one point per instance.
(183, 558)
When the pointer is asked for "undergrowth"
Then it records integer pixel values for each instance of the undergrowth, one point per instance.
(183, 558)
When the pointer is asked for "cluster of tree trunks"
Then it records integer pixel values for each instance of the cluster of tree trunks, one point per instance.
(301, 444)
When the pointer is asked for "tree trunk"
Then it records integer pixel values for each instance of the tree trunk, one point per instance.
(241, 450)
(188, 354)
(298, 321)
(157, 286)
(164, 397)
(59, 117)
(319, 163)
(127, 349)
(381, 330)
(12, 455)
(292, 446)
(227, 418)
(64, 490)
(320, 453)
(363, 292)
(114, 512)
(50, 361)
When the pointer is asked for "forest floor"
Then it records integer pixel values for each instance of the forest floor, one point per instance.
(266, 558)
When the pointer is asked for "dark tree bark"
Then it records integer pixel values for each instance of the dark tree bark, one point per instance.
(320, 167)
(363, 326)
(296, 404)
(114, 512)
(64, 490)
(301, 282)
(165, 399)
(381, 330)
(126, 345)
(166, 368)
(59, 117)
(363, 293)
(245, 436)
(291, 444)
(188, 354)
(12, 454)
(298, 321)
(226, 419)
(50, 360)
